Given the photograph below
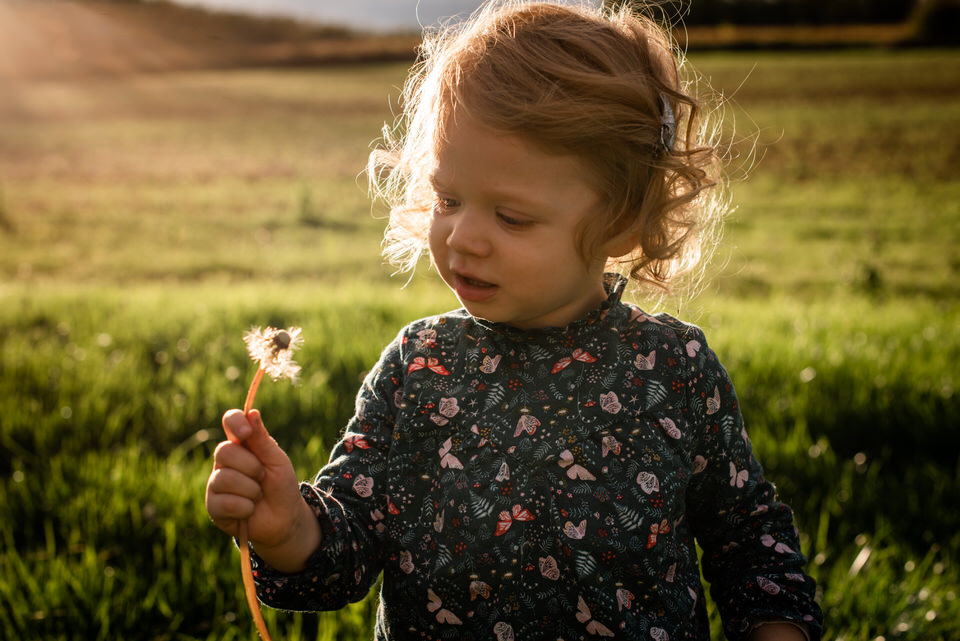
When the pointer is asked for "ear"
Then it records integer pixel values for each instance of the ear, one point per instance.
(620, 245)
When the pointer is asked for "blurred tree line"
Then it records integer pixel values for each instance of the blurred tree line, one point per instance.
(798, 12)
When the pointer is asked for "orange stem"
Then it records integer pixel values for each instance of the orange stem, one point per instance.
(249, 589)
(252, 392)
(246, 567)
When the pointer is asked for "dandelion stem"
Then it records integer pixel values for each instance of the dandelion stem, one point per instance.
(271, 348)
(249, 589)
(252, 392)
(243, 540)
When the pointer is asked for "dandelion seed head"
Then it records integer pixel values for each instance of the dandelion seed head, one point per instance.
(273, 349)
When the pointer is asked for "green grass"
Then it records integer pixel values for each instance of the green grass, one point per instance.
(146, 222)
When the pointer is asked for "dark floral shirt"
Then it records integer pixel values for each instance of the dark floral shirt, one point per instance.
(550, 484)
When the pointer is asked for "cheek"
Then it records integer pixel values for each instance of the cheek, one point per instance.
(437, 237)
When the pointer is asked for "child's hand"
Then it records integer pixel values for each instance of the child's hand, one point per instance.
(253, 480)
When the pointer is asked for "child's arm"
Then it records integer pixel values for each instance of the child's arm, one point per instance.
(253, 479)
(347, 500)
(752, 555)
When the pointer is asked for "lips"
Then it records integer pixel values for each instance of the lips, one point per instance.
(474, 290)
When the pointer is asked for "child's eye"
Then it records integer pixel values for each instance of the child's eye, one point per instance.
(442, 205)
(510, 221)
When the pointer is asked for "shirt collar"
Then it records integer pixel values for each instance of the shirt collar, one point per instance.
(614, 285)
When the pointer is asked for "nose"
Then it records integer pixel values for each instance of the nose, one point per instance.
(468, 233)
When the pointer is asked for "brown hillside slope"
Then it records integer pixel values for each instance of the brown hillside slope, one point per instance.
(68, 38)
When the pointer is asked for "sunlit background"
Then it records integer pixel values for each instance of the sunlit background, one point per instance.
(374, 15)
(171, 175)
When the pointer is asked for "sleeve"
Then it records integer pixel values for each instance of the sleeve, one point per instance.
(348, 505)
(751, 552)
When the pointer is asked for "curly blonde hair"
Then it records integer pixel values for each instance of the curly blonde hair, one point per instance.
(569, 80)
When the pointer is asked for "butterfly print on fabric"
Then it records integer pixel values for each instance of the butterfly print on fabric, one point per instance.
(659, 634)
(449, 407)
(490, 364)
(593, 627)
(767, 585)
(575, 532)
(406, 561)
(737, 479)
(769, 541)
(656, 529)
(504, 631)
(577, 355)
(363, 485)
(506, 519)
(646, 363)
(648, 482)
(434, 604)
(446, 458)
(609, 444)
(528, 424)
(429, 363)
(355, 441)
(479, 589)
(609, 403)
(713, 403)
(670, 428)
(548, 568)
(575, 471)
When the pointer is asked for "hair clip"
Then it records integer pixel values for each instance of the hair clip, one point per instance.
(668, 126)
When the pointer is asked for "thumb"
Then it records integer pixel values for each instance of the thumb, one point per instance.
(263, 446)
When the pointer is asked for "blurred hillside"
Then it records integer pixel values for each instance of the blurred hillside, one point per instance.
(61, 38)
(68, 38)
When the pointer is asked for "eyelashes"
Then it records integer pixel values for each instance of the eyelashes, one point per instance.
(443, 206)
(510, 221)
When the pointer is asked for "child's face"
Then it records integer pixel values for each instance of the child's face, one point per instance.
(503, 234)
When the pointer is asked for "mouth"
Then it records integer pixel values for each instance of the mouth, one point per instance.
(472, 289)
(473, 282)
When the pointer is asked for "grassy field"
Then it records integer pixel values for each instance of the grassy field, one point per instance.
(147, 220)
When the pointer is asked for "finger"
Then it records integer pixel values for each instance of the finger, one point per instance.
(262, 444)
(225, 508)
(237, 457)
(228, 481)
(236, 426)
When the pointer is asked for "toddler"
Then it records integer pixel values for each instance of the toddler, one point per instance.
(542, 463)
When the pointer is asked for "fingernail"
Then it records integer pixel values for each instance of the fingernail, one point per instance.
(243, 431)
